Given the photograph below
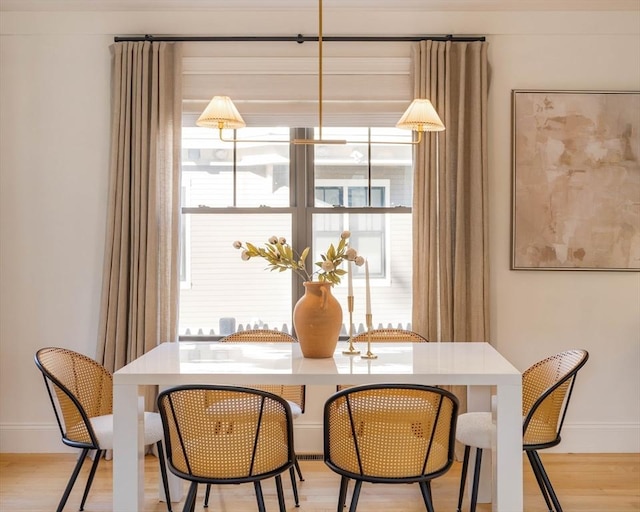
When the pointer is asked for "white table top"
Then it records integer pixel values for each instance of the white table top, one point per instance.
(282, 363)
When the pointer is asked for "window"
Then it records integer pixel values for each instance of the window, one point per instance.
(250, 191)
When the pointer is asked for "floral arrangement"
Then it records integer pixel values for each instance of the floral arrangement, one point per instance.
(281, 256)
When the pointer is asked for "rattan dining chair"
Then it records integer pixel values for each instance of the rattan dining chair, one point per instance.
(389, 433)
(387, 335)
(293, 394)
(546, 390)
(81, 393)
(226, 435)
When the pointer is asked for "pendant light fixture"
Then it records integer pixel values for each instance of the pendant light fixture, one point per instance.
(222, 114)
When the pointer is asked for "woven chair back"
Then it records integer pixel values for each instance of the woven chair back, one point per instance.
(82, 389)
(389, 336)
(223, 434)
(397, 432)
(266, 335)
(292, 393)
(546, 390)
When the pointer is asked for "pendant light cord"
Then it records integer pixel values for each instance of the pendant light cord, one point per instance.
(320, 69)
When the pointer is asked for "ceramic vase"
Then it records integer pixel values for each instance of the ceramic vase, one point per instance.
(317, 318)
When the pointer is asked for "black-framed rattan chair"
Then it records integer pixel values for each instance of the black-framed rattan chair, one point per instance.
(387, 335)
(81, 393)
(226, 435)
(389, 433)
(546, 390)
(294, 394)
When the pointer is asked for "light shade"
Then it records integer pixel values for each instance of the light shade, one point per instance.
(221, 113)
(421, 117)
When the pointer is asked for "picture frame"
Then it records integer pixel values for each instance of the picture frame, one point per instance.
(575, 180)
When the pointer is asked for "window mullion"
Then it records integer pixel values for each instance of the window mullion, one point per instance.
(300, 228)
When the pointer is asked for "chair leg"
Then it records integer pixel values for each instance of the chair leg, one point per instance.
(92, 473)
(342, 498)
(259, 496)
(425, 487)
(463, 476)
(72, 479)
(206, 496)
(298, 469)
(294, 486)
(281, 504)
(476, 479)
(190, 500)
(545, 478)
(356, 495)
(536, 473)
(163, 473)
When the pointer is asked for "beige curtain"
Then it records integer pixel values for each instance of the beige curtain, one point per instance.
(450, 213)
(141, 280)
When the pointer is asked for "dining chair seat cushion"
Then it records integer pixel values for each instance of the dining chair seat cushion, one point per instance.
(475, 429)
(103, 428)
(296, 410)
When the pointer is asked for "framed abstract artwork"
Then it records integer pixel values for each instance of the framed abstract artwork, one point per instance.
(576, 180)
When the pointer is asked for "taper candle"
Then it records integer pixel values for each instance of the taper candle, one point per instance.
(350, 270)
(368, 291)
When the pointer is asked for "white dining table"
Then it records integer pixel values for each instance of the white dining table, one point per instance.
(477, 365)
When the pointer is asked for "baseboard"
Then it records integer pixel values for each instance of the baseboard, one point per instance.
(31, 438)
(599, 438)
(576, 438)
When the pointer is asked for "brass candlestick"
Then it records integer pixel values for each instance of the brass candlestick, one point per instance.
(369, 354)
(351, 351)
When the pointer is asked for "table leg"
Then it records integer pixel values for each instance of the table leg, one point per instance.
(128, 449)
(507, 457)
(479, 400)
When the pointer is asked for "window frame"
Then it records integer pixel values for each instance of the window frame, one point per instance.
(302, 210)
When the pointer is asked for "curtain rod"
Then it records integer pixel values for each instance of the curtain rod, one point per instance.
(298, 39)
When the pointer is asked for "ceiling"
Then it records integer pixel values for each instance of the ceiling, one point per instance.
(396, 5)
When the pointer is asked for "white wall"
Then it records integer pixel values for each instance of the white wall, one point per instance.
(54, 146)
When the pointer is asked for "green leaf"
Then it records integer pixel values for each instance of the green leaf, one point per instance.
(304, 254)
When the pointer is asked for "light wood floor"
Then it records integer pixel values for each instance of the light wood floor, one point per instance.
(584, 483)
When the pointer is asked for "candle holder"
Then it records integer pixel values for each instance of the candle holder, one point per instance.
(369, 354)
(351, 351)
